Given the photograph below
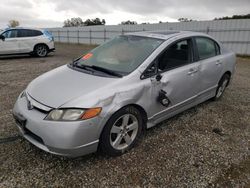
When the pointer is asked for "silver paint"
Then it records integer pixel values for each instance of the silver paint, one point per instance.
(63, 87)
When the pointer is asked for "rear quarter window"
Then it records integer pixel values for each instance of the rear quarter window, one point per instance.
(37, 33)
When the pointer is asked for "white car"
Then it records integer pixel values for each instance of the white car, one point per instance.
(14, 41)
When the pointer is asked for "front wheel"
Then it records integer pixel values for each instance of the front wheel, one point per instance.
(121, 131)
(222, 86)
(41, 50)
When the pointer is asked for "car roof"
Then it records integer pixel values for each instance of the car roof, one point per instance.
(165, 34)
(9, 28)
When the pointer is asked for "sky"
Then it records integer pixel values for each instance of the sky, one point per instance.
(52, 13)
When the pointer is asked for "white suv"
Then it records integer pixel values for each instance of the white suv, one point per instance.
(26, 41)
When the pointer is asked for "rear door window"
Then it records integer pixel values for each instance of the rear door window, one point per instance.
(22, 33)
(29, 33)
(206, 47)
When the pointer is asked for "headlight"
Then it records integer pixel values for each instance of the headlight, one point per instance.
(72, 114)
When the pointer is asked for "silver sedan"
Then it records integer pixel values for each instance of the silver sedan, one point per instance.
(105, 99)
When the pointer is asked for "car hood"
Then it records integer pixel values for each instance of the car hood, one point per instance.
(64, 84)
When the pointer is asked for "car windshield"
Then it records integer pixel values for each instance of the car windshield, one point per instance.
(2, 31)
(122, 54)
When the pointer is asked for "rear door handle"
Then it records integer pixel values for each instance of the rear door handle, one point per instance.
(218, 62)
(192, 71)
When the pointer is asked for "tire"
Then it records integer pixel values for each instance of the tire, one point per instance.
(223, 83)
(41, 50)
(121, 132)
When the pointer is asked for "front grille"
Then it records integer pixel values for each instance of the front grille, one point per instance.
(40, 110)
(34, 136)
(34, 104)
(20, 121)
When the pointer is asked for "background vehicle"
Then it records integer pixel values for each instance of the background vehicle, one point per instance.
(106, 98)
(15, 41)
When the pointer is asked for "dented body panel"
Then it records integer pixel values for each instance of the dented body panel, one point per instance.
(68, 88)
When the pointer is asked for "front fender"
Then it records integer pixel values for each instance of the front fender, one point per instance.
(118, 101)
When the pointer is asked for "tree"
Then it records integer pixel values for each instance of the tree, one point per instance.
(103, 22)
(73, 22)
(96, 21)
(246, 16)
(129, 22)
(13, 23)
(77, 22)
(185, 20)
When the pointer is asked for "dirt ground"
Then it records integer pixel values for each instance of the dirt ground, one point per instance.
(206, 146)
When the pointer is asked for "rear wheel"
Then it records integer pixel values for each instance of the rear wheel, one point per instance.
(121, 131)
(41, 50)
(222, 86)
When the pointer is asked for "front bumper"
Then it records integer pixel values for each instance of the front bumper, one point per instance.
(52, 50)
(51, 46)
(75, 138)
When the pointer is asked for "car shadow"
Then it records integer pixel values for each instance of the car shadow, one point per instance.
(25, 56)
(190, 112)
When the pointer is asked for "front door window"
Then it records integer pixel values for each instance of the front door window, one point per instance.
(177, 55)
(10, 34)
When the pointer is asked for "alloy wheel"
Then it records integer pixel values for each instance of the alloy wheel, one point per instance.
(41, 51)
(124, 131)
(222, 88)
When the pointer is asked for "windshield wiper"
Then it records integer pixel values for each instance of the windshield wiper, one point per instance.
(94, 67)
(85, 67)
(81, 66)
(74, 61)
(108, 71)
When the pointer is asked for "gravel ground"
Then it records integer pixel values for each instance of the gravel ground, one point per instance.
(206, 146)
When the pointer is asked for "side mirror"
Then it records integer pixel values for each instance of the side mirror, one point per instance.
(158, 77)
(2, 37)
